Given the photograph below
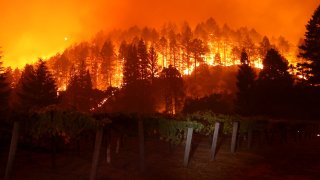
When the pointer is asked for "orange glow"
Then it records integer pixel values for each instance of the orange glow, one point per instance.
(33, 29)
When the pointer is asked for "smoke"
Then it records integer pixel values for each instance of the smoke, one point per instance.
(34, 28)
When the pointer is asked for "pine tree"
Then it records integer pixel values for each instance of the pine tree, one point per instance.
(4, 91)
(36, 88)
(107, 66)
(274, 84)
(310, 50)
(198, 49)
(162, 47)
(131, 66)
(275, 69)
(61, 67)
(142, 55)
(245, 83)
(153, 64)
(173, 89)
(264, 47)
(79, 91)
(186, 44)
(136, 86)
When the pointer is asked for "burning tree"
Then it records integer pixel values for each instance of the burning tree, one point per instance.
(108, 62)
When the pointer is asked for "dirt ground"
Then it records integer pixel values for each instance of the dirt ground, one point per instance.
(294, 160)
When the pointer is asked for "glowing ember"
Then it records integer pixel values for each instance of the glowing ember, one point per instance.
(102, 102)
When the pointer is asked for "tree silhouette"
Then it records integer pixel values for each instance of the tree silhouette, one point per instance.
(264, 47)
(153, 64)
(136, 86)
(173, 90)
(108, 63)
(143, 63)
(173, 47)
(186, 43)
(245, 83)
(163, 47)
(36, 88)
(274, 84)
(61, 69)
(4, 92)
(198, 49)
(131, 65)
(249, 45)
(310, 48)
(78, 94)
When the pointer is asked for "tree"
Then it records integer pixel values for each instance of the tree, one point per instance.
(131, 65)
(78, 94)
(153, 64)
(36, 88)
(108, 63)
(310, 49)
(264, 47)
(173, 47)
(245, 83)
(275, 69)
(136, 87)
(249, 45)
(198, 48)
(61, 68)
(173, 90)
(163, 48)
(186, 43)
(274, 84)
(4, 91)
(143, 63)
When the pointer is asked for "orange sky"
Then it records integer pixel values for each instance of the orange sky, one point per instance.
(38, 28)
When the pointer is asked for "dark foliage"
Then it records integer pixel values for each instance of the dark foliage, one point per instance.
(172, 89)
(217, 103)
(79, 91)
(245, 101)
(36, 88)
(274, 85)
(4, 92)
(108, 62)
(310, 49)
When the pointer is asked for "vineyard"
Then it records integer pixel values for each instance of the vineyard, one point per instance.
(107, 137)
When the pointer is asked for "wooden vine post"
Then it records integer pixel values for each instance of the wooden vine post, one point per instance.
(215, 140)
(96, 153)
(141, 144)
(13, 150)
(234, 136)
(188, 147)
